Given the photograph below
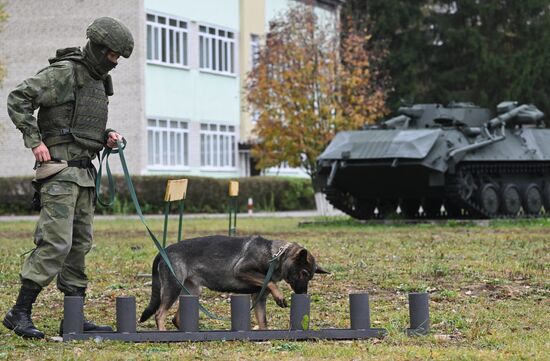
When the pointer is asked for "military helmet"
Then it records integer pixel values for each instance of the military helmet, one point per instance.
(113, 34)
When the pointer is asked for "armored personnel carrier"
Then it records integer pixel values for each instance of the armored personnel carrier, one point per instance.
(434, 161)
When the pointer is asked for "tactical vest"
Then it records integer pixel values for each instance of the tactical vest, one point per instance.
(83, 121)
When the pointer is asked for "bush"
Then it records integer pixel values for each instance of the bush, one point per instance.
(204, 195)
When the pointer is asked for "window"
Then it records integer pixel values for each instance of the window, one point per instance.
(254, 50)
(217, 50)
(218, 146)
(167, 142)
(167, 40)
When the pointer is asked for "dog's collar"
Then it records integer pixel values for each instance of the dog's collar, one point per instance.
(281, 250)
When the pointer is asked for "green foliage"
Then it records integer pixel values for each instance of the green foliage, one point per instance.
(204, 195)
(15, 195)
(462, 50)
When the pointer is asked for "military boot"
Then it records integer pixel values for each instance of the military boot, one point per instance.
(18, 318)
(88, 326)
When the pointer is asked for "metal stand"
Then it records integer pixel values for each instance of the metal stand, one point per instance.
(189, 313)
(73, 315)
(299, 312)
(359, 311)
(233, 206)
(419, 312)
(240, 323)
(126, 314)
(240, 312)
(176, 191)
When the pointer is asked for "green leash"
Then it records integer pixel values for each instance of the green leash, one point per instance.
(273, 263)
(162, 252)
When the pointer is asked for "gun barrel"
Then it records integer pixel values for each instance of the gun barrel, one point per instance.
(526, 114)
(398, 120)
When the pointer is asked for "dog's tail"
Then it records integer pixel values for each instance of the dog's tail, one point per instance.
(154, 303)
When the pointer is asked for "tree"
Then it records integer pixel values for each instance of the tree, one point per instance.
(463, 50)
(307, 86)
(401, 27)
(492, 51)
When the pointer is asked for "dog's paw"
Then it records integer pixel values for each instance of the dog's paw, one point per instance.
(281, 302)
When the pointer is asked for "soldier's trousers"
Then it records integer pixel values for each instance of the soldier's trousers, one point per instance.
(63, 236)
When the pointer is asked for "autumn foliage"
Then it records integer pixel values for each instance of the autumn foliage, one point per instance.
(307, 86)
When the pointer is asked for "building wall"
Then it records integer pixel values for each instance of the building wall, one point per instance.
(35, 30)
(252, 23)
(32, 34)
(274, 9)
(190, 93)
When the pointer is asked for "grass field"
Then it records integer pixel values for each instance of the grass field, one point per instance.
(489, 289)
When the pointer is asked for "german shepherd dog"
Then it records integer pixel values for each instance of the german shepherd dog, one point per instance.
(228, 264)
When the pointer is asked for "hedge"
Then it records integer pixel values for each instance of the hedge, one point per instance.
(204, 195)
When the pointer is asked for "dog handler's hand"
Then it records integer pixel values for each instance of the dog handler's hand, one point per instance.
(112, 138)
(41, 153)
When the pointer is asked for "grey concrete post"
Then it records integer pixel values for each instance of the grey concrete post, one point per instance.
(73, 314)
(419, 313)
(299, 307)
(240, 312)
(126, 314)
(189, 313)
(359, 311)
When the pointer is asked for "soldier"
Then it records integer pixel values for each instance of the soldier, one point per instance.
(71, 94)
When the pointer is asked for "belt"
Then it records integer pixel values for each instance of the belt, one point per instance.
(78, 163)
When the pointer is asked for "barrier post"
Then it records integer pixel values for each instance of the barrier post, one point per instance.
(419, 313)
(126, 314)
(299, 312)
(240, 312)
(189, 313)
(359, 311)
(73, 314)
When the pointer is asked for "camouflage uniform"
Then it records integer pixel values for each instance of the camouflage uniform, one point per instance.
(71, 95)
(63, 234)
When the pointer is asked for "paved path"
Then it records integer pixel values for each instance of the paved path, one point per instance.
(290, 214)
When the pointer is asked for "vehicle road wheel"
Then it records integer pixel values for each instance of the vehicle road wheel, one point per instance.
(432, 207)
(409, 208)
(452, 210)
(532, 200)
(386, 208)
(489, 199)
(546, 198)
(510, 201)
(364, 208)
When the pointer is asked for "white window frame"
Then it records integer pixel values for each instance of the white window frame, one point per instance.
(218, 144)
(176, 30)
(254, 50)
(217, 50)
(159, 143)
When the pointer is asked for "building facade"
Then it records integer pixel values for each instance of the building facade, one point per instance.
(178, 99)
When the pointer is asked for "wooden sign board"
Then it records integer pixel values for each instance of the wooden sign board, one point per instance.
(233, 188)
(176, 189)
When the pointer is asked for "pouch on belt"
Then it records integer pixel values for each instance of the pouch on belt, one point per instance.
(44, 170)
(48, 169)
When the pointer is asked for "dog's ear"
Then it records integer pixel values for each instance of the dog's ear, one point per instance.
(321, 270)
(301, 257)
